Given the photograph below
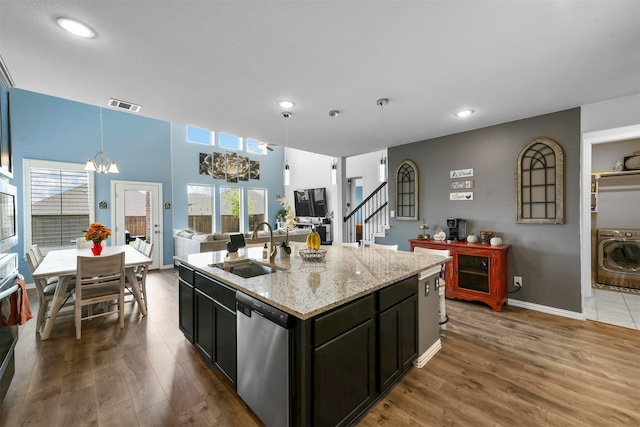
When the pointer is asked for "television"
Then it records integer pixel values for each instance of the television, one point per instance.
(311, 202)
(8, 216)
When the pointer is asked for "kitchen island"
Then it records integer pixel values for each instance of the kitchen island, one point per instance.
(352, 322)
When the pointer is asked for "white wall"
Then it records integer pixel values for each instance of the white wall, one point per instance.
(365, 166)
(614, 113)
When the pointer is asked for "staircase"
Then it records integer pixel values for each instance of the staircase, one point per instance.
(370, 218)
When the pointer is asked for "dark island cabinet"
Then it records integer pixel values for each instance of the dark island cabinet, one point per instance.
(398, 330)
(186, 301)
(215, 325)
(344, 360)
(203, 337)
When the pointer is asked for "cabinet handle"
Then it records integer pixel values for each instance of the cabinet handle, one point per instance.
(426, 288)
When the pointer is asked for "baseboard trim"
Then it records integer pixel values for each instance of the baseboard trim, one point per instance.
(546, 309)
(427, 355)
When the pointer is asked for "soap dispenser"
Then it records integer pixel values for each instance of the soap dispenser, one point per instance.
(265, 252)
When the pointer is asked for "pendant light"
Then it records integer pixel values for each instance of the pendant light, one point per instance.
(382, 168)
(287, 170)
(100, 163)
(334, 173)
(334, 163)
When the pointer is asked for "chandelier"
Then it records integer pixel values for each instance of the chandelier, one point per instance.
(100, 163)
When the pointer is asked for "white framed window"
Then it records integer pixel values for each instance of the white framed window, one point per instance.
(256, 206)
(229, 142)
(200, 208)
(58, 203)
(257, 147)
(231, 208)
(200, 136)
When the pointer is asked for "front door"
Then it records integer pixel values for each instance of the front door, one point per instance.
(137, 210)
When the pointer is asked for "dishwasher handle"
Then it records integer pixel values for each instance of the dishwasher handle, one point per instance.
(246, 305)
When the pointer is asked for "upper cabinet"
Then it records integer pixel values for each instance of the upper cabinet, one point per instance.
(6, 159)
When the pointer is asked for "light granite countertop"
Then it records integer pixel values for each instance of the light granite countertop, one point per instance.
(306, 288)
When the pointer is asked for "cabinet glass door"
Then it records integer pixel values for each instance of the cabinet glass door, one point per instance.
(473, 273)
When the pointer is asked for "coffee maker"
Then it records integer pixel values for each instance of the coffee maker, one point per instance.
(457, 229)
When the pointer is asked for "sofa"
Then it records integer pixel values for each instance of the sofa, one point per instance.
(186, 242)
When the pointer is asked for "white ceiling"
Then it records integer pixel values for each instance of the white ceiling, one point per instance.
(223, 65)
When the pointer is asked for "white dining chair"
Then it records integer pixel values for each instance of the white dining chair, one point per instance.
(140, 273)
(82, 243)
(138, 244)
(99, 280)
(386, 247)
(350, 244)
(37, 253)
(442, 282)
(45, 289)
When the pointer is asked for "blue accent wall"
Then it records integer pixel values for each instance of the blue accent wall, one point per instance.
(146, 150)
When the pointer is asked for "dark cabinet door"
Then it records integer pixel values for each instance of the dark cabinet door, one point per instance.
(398, 345)
(408, 332)
(185, 309)
(344, 376)
(225, 342)
(204, 315)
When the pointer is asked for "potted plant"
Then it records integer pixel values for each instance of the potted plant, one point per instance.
(289, 223)
(97, 233)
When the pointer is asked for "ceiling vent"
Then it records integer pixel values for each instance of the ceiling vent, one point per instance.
(124, 105)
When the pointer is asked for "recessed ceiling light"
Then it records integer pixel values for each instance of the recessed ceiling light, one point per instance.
(76, 28)
(464, 113)
(286, 104)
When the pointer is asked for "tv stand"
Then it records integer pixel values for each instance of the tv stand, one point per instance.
(323, 228)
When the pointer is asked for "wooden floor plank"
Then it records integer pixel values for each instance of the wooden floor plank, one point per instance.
(516, 367)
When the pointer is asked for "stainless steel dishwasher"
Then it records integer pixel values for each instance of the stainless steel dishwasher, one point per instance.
(263, 359)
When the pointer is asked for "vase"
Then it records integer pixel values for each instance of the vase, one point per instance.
(282, 253)
(97, 247)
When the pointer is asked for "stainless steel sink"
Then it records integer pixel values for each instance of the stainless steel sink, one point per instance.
(247, 269)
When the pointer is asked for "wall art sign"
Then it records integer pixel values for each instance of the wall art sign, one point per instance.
(243, 168)
(254, 169)
(460, 185)
(468, 195)
(228, 166)
(232, 167)
(205, 165)
(461, 173)
(219, 166)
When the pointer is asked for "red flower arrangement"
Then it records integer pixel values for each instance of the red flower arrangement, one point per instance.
(97, 232)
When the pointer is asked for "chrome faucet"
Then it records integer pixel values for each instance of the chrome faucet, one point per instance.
(274, 250)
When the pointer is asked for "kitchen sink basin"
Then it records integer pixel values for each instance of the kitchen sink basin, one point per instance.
(247, 269)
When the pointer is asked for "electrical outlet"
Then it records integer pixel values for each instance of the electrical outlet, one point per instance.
(517, 281)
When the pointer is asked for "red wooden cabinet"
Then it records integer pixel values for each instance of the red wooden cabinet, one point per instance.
(478, 272)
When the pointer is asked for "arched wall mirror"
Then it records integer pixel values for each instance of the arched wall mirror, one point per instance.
(407, 191)
(540, 183)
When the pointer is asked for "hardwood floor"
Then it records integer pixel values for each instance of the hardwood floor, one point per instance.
(514, 368)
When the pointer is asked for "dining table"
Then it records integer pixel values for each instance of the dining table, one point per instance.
(63, 264)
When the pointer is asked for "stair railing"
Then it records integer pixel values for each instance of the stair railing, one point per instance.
(369, 218)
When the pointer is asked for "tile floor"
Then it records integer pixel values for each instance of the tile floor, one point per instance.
(616, 308)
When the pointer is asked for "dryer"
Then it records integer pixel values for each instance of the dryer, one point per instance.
(619, 257)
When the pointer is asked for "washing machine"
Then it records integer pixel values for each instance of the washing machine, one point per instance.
(619, 257)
